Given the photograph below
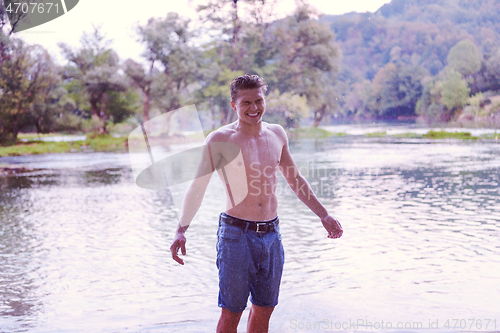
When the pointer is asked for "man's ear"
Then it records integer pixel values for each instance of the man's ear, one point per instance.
(233, 105)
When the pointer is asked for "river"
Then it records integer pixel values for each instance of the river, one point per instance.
(84, 249)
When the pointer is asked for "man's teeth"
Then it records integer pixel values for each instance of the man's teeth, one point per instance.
(253, 114)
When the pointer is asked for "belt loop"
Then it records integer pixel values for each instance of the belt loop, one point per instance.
(246, 228)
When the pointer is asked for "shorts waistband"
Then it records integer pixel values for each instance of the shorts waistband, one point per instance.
(258, 226)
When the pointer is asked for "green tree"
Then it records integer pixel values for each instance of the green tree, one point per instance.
(443, 96)
(492, 71)
(7, 27)
(429, 105)
(142, 81)
(464, 58)
(306, 61)
(30, 91)
(358, 100)
(286, 109)
(454, 89)
(296, 55)
(396, 89)
(168, 42)
(51, 108)
(215, 91)
(96, 66)
(239, 40)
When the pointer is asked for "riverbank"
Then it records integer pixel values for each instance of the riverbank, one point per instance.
(31, 145)
(102, 143)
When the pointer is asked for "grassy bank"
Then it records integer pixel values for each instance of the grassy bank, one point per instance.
(311, 133)
(108, 143)
(435, 135)
(102, 143)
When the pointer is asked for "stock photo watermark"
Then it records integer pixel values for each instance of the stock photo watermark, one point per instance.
(484, 324)
(27, 14)
(156, 166)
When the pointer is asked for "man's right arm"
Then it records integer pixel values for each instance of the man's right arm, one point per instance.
(192, 201)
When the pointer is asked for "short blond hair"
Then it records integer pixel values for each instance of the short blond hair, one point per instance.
(246, 81)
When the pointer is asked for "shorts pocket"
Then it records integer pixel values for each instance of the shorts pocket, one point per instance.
(229, 233)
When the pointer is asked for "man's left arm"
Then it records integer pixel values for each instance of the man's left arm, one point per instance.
(304, 192)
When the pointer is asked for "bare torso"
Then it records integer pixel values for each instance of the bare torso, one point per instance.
(261, 154)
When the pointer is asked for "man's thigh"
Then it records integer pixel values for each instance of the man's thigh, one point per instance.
(265, 284)
(233, 260)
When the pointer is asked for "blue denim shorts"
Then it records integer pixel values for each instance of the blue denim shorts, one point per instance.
(249, 263)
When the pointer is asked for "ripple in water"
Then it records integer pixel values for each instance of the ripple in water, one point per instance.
(82, 249)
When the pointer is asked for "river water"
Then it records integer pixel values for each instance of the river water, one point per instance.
(83, 249)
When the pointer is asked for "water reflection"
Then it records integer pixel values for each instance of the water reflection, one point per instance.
(83, 249)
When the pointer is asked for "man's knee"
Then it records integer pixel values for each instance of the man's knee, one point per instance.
(228, 321)
(261, 311)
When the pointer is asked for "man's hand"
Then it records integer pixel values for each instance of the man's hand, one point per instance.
(332, 225)
(178, 243)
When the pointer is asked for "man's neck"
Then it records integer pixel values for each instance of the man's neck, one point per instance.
(248, 129)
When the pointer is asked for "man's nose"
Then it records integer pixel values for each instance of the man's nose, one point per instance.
(253, 106)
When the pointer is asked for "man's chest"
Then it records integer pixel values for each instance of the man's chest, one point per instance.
(261, 156)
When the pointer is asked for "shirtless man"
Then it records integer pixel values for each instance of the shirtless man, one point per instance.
(249, 250)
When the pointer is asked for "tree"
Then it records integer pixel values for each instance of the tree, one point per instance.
(141, 80)
(97, 67)
(30, 91)
(7, 25)
(442, 96)
(454, 89)
(492, 71)
(168, 43)
(215, 91)
(286, 109)
(52, 106)
(238, 39)
(464, 58)
(306, 60)
(396, 89)
(429, 105)
(358, 101)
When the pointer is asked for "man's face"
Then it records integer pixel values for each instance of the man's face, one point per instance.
(250, 105)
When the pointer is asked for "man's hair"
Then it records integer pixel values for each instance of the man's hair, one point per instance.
(246, 81)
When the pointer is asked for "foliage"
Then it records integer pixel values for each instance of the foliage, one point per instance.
(306, 60)
(396, 89)
(454, 89)
(286, 109)
(296, 55)
(492, 71)
(96, 66)
(102, 143)
(450, 135)
(31, 92)
(311, 133)
(376, 134)
(167, 42)
(464, 58)
(428, 36)
(442, 96)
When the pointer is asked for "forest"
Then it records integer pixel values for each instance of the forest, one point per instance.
(434, 61)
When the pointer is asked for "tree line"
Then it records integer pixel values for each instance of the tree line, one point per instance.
(398, 63)
(436, 59)
(296, 55)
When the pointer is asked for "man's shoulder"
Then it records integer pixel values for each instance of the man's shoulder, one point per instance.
(278, 130)
(222, 134)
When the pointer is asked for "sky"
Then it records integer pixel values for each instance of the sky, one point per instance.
(118, 20)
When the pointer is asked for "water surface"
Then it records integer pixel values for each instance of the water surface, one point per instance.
(83, 249)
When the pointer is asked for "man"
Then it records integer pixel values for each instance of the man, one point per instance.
(249, 250)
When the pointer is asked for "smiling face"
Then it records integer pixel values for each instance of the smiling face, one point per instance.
(250, 105)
